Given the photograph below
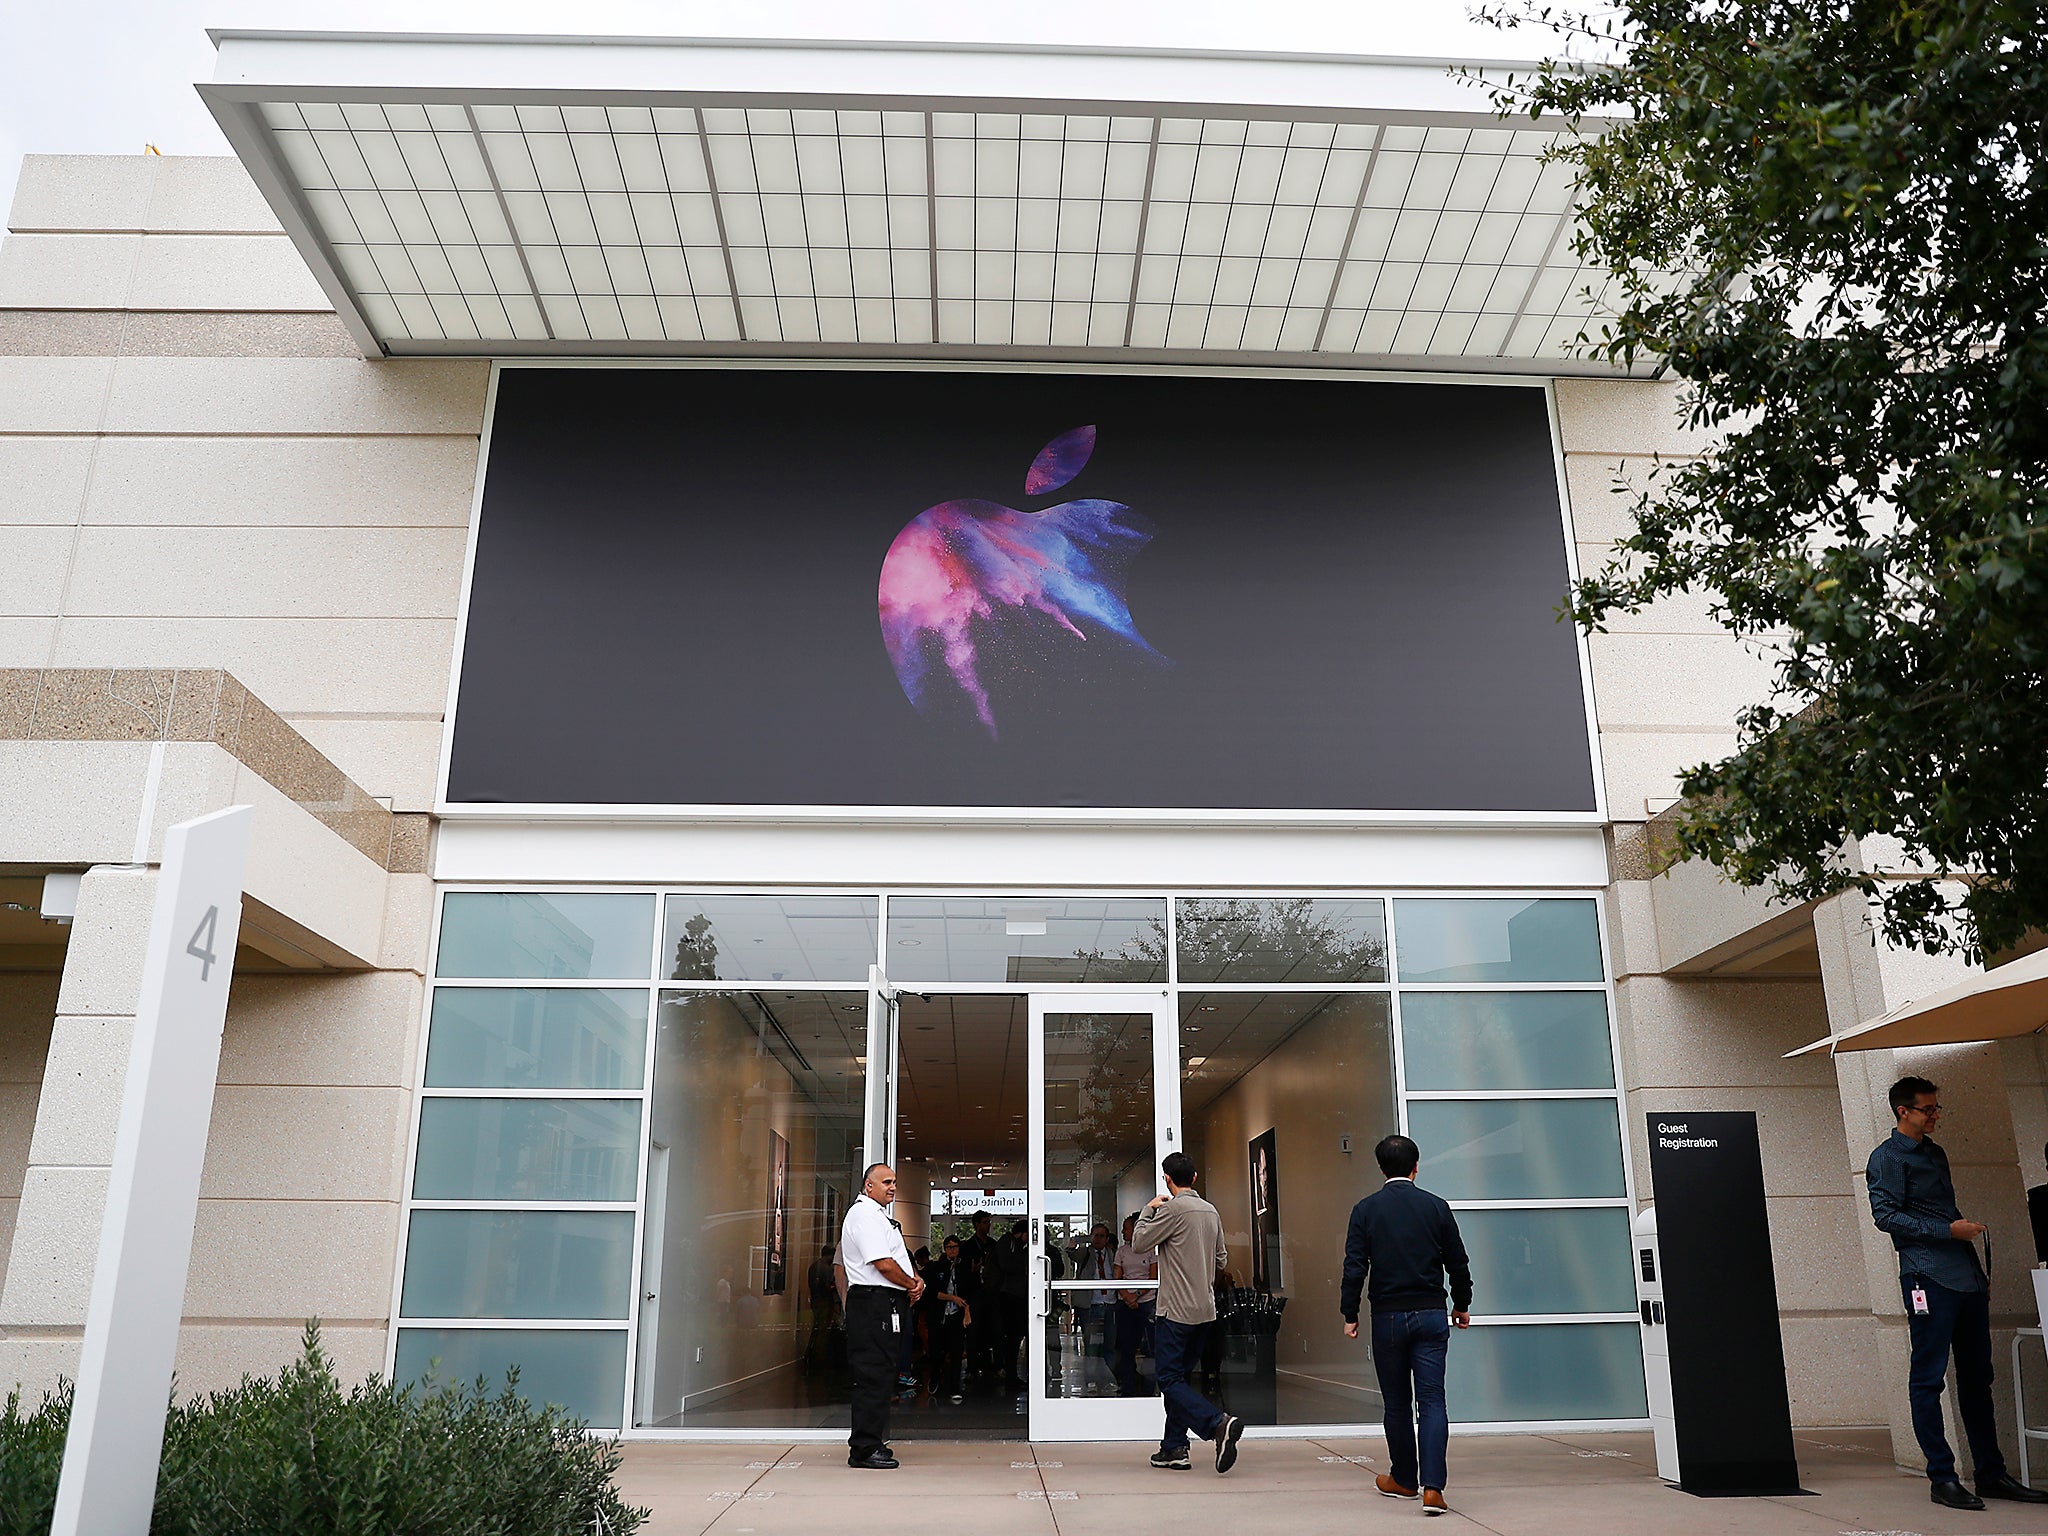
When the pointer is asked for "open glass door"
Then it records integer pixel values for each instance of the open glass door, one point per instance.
(878, 1123)
(1105, 1109)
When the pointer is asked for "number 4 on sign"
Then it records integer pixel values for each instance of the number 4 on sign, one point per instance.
(201, 944)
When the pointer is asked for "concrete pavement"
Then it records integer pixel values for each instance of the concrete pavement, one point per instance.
(1521, 1485)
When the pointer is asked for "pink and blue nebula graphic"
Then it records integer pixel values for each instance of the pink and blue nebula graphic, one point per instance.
(969, 586)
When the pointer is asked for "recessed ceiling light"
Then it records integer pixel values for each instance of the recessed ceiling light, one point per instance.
(910, 943)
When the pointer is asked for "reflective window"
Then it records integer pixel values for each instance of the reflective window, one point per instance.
(755, 1130)
(1505, 1041)
(1026, 939)
(527, 1149)
(1559, 1259)
(1546, 1371)
(514, 935)
(533, 1037)
(1518, 1149)
(1491, 939)
(768, 938)
(1272, 1085)
(1295, 939)
(582, 1369)
(525, 1264)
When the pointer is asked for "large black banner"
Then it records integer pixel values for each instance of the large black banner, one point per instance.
(838, 587)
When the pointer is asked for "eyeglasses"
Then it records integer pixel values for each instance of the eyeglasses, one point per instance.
(1925, 1111)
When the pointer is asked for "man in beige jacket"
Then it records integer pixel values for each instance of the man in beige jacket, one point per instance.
(1187, 1234)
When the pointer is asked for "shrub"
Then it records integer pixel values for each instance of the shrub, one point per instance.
(303, 1456)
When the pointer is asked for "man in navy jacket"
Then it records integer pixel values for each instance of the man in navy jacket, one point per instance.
(1403, 1243)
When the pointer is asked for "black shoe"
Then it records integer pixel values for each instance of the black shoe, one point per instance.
(1227, 1436)
(1172, 1461)
(879, 1461)
(1954, 1495)
(2006, 1486)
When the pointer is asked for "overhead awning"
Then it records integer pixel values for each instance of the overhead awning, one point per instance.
(687, 198)
(1998, 1004)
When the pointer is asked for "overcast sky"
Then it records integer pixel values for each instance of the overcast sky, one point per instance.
(109, 76)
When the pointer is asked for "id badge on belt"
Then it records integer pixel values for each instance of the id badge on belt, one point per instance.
(896, 1318)
(1918, 1295)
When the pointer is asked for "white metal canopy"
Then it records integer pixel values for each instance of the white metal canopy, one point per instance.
(675, 198)
(2000, 1004)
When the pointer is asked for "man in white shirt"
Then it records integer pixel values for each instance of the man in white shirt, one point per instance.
(1133, 1309)
(880, 1280)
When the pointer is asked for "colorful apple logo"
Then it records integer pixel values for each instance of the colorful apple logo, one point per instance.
(968, 585)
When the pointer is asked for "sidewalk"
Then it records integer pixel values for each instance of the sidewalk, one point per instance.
(1524, 1485)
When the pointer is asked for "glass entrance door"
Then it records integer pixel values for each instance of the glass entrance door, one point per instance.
(1105, 1108)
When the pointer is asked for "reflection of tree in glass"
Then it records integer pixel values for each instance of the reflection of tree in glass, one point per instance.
(1218, 938)
(1099, 1069)
(696, 952)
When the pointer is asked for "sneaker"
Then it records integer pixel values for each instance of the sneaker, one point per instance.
(1433, 1502)
(1227, 1436)
(1172, 1461)
(1392, 1489)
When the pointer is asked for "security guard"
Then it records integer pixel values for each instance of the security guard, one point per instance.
(879, 1281)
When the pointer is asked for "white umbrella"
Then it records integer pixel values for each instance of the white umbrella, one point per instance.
(1993, 1005)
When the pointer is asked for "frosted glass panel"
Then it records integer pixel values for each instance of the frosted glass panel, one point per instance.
(528, 1149)
(584, 1370)
(1496, 1041)
(1546, 1371)
(514, 935)
(769, 938)
(1497, 939)
(1549, 1260)
(1024, 939)
(1292, 939)
(518, 1264)
(534, 1037)
(1518, 1149)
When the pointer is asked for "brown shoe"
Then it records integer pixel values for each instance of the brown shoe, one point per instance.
(1392, 1489)
(1433, 1502)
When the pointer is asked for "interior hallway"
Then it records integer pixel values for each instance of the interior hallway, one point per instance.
(1515, 1485)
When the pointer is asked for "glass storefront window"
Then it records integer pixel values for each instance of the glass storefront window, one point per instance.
(1448, 939)
(527, 1149)
(768, 938)
(524, 1264)
(512, 935)
(1291, 939)
(1546, 1371)
(1505, 1041)
(582, 1369)
(755, 1128)
(1271, 1086)
(534, 1037)
(1026, 939)
(1518, 1149)
(1560, 1259)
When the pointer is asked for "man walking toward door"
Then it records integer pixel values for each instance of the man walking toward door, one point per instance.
(1187, 1234)
(879, 1283)
(1403, 1242)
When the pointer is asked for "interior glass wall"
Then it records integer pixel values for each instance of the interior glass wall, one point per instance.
(641, 1119)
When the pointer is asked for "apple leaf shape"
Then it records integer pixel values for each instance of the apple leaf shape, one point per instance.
(1059, 461)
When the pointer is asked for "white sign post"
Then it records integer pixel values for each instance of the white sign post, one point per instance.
(108, 1485)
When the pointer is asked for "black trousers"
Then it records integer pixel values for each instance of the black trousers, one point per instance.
(946, 1353)
(873, 1351)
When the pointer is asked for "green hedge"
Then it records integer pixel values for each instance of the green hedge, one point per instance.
(303, 1456)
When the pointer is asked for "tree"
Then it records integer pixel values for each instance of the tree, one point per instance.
(1829, 218)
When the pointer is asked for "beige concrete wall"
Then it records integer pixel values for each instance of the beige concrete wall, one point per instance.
(197, 469)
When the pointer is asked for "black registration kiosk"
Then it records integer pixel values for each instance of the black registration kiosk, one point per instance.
(1728, 1397)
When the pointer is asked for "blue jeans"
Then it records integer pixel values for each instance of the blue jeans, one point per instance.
(1958, 1321)
(1405, 1345)
(1177, 1351)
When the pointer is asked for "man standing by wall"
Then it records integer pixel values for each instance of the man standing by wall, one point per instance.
(1403, 1242)
(1948, 1298)
(1187, 1234)
(879, 1280)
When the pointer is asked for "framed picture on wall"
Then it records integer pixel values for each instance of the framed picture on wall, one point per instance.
(778, 1215)
(1265, 1187)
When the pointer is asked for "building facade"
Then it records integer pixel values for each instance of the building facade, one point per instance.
(625, 876)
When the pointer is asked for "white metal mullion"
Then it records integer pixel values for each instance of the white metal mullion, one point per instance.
(511, 229)
(404, 245)
(931, 223)
(732, 283)
(1315, 202)
(1400, 208)
(1144, 218)
(1564, 222)
(846, 216)
(1372, 161)
(803, 213)
(548, 210)
(434, 138)
(1485, 205)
